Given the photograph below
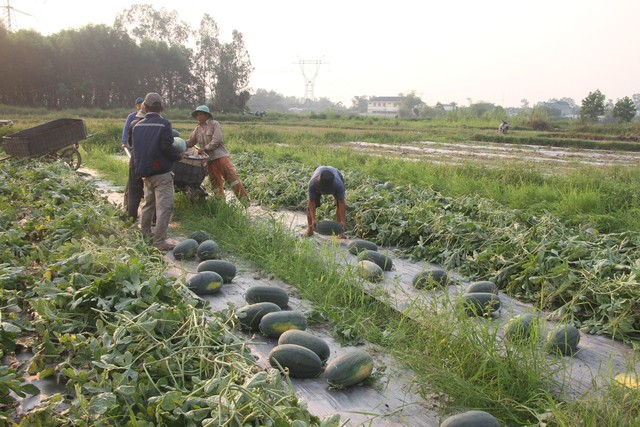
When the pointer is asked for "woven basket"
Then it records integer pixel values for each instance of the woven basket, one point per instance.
(45, 138)
(190, 170)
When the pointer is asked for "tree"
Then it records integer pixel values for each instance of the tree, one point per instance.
(592, 106)
(232, 76)
(206, 58)
(142, 21)
(624, 109)
(409, 105)
(360, 103)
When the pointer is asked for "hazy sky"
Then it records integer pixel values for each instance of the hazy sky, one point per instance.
(499, 51)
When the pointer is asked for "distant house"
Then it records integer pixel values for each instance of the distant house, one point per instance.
(566, 110)
(384, 106)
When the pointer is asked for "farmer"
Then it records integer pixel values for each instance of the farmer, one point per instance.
(326, 180)
(504, 127)
(154, 156)
(126, 145)
(208, 136)
(134, 191)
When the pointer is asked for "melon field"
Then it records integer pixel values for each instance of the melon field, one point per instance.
(551, 218)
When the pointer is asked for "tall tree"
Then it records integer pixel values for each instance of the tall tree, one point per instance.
(409, 105)
(624, 109)
(232, 76)
(592, 106)
(142, 21)
(206, 58)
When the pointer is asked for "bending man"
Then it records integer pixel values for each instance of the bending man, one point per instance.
(326, 180)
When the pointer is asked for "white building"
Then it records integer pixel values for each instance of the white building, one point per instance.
(384, 106)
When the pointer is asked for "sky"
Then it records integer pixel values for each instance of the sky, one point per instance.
(463, 51)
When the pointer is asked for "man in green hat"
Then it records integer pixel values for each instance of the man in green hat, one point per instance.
(208, 137)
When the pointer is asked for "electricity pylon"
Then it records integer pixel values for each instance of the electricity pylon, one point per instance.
(309, 82)
(8, 14)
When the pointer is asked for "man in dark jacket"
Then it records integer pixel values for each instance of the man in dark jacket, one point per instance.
(326, 180)
(154, 156)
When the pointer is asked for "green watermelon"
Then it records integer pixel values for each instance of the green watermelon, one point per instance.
(185, 249)
(430, 279)
(224, 268)
(208, 249)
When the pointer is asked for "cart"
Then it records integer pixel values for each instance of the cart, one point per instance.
(57, 139)
(189, 174)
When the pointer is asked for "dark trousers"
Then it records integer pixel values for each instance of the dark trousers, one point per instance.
(133, 191)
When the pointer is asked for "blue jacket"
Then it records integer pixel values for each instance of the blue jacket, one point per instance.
(153, 150)
(125, 129)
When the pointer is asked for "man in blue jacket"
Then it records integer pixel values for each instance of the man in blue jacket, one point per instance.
(154, 156)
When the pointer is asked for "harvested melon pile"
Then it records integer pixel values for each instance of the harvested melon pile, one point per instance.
(298, 353)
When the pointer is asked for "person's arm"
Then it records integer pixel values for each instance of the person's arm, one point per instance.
(192, 140)
(125, 130)
(311, 217)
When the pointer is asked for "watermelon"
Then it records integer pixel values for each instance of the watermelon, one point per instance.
(185, 250)
(383, 261)
(328, 227)
(480, 303)
(307, 340)
(430, 279)
(485, 286)
(251, 315)
(521, 327)
(369, 270)
(200, 236)
(224, 268)
(563, 339)
(205, 283)
(179, 144)
(356, 246)
(300, 361)
(208, 249)
(349, 368)
(262, 293)
(275, 324)
(471, 419)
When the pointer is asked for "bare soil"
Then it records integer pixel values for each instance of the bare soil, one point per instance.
(495, 154)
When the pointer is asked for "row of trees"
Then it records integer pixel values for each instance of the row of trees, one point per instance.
(146, 50)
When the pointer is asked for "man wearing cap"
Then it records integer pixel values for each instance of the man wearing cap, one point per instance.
(326, 180)
(154, 156)
(208, 137)
(126, 145)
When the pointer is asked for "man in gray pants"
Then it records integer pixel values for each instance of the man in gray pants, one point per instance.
(154, 156)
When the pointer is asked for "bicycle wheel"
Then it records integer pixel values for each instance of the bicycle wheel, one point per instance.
(71, 156)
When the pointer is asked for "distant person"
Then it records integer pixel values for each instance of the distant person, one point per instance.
(154, 156)
(126, 145)
(504, 127)
(207, 135)
(326, 180)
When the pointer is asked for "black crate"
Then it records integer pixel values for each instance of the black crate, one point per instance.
(190, 170)
(45, 138)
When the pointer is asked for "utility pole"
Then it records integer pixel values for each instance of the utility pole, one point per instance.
(8, 14)
(309, 82)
